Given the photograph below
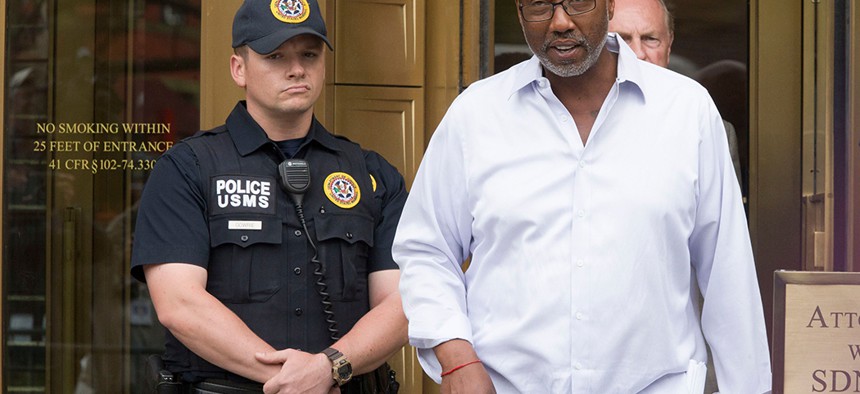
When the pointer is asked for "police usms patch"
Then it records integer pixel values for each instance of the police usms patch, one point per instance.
(342, 190)
(291, 11)
(239, 193)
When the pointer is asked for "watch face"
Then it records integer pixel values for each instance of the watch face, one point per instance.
(344, 372)
(341, 368)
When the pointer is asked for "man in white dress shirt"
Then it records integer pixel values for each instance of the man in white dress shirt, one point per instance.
(587, 187)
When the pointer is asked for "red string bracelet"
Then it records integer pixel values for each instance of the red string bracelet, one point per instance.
(450, 371)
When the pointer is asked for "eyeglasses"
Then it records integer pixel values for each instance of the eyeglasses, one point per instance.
(539, 11)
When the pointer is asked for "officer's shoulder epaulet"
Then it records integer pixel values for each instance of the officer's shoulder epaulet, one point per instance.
(348, 142)
(344, 138)
(205, 133)
(367, 153)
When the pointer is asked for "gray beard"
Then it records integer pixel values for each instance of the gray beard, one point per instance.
(574, 69)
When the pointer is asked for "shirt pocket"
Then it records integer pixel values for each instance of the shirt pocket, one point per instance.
(246, 259)
(344, 241)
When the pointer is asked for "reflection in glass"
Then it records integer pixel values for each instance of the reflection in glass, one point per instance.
(73, 319)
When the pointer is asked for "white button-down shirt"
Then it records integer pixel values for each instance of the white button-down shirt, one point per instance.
(583, 255)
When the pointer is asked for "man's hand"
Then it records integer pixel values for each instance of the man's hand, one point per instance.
(471, 379)
(301, 372)
(463, 374)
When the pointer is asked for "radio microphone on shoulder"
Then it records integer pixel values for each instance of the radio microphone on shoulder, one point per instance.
(295, 178)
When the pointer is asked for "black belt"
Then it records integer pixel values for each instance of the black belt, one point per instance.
(218, 386)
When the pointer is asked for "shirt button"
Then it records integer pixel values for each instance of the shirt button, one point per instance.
(579, 315)
(298, 233)
(578, 366)
(297, 271)
(582, 164)
(298, 311)
(580, 213)
(244, 238)
(348, 235)
(542, 83)
(580, 263)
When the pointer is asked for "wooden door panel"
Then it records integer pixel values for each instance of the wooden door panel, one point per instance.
(388, 120)
(379, 42)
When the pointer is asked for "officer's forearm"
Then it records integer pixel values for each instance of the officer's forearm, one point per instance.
(231, 346)
(376, 336)
(204, 324)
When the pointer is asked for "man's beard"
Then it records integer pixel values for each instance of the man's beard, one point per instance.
(572, 69)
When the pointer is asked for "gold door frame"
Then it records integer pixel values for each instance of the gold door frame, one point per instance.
(775, 143)
(218, 93)
(853, 125)
(2, 160)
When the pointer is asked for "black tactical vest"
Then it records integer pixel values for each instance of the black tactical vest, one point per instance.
(260, 258)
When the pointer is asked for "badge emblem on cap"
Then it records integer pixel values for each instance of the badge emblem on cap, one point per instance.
(342, 190)
(291, 11)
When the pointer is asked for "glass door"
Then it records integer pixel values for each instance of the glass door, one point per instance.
(829, 140)
(95, 90)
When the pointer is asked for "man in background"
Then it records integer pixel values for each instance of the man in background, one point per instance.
(648, 28)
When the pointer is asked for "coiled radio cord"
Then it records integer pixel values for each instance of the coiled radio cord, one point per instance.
(322, 288)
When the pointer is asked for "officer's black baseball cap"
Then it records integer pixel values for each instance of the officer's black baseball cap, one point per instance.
(266, 24)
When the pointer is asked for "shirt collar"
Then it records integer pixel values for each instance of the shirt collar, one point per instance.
(248, 136)
(629, 66)
(531, 70)
(525, 74)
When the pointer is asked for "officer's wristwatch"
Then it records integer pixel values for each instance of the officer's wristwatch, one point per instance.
(341, 369)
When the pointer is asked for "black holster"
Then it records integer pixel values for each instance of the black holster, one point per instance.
(382, 380)
(161, 381)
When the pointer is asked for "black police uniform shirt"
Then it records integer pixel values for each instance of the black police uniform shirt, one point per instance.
(215, 201)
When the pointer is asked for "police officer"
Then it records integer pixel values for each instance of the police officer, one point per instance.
(257, 284)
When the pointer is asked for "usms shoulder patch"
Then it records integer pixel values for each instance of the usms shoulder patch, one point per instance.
(342, 190)
(291, 11)
(238, 193)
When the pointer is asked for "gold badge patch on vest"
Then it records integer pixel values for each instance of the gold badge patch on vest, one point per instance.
(373, 182)
(291, 11)
(342, 190)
